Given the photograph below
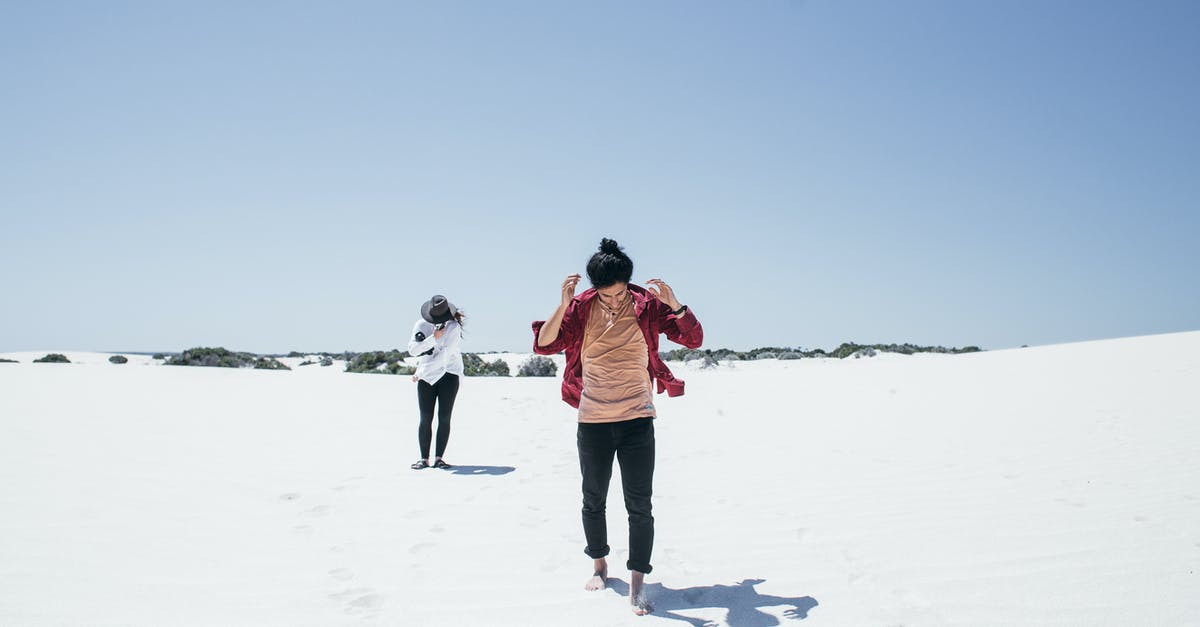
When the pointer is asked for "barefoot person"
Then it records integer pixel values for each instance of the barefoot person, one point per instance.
(435, 341)
(610, 335)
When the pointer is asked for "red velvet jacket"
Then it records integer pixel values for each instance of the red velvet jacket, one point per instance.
(653, 318)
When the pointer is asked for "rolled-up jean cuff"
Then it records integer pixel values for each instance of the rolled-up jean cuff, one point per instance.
(597, 553)
(641, 568)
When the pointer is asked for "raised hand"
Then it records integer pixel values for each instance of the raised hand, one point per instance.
(664, 293)
(568, 289)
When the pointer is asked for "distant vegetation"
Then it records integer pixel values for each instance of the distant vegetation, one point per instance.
(538, 366)
(475, 366)
(53, 358)
(9, 361)
(847, 349)
(118, 359)
(222, 358)
(377, 362)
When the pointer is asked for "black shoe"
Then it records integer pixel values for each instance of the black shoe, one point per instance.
(419, 465)
(441, 464)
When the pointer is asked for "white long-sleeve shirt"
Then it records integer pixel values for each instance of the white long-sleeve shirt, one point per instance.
(446, 356)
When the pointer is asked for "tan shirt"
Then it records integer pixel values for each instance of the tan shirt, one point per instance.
(616, 382)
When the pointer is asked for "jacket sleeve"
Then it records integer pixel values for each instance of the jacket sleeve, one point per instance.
(568, 333)
(452, 338)
(683, 329)
(421, 339)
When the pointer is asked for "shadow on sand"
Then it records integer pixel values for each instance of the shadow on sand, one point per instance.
(481, 470)
(740, 600)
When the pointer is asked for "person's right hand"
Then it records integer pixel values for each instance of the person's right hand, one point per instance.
(568, 289)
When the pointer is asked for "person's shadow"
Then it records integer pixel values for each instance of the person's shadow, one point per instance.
(481, 470)
(741, 600)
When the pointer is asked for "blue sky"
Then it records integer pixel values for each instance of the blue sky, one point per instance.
(278, 176)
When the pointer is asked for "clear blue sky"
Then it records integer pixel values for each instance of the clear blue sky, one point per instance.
(302, 175)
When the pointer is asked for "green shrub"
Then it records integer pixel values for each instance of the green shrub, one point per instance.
(53, 358)
(475, 366)
(118, 359)
(223, 358)
(378, 362)
(9, 361)
(538, 366)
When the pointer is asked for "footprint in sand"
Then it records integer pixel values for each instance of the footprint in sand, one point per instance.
(342, 574)
(365, 603)
(1140, 519)
(317, 512)
(303, 529)
(1072, 503)
(289, 496)
(359, 600)
(421, 547)
(437, 529)
(349, 483)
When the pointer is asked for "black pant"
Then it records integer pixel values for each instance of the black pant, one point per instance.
(632, 441)
(443, 392)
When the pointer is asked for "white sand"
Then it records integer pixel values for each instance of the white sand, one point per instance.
(1057, 485)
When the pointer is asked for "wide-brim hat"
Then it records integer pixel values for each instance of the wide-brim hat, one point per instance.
(437, 310)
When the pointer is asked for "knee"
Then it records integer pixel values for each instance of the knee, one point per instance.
(641, 518)
(594, 506)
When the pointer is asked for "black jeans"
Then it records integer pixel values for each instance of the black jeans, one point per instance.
(443, 392)
(632, 441)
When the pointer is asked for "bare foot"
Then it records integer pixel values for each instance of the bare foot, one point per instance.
(599, 580)
(637, 599)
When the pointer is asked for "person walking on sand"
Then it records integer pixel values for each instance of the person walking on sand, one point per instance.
(435, 342)
(610, 336)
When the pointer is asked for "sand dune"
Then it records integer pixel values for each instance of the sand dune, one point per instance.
(1054, 485)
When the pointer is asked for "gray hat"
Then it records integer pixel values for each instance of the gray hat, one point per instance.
(438, 310)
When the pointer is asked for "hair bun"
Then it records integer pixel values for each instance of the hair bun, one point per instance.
(609, 246)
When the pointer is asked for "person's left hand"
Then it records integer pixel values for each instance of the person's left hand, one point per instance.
(664, 293)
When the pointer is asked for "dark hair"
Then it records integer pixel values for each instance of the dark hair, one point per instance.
(609, 266)
(458, 316)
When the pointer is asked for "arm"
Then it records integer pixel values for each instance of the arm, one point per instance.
(682, 328)
(421, 339)
(550, 334)
(451, 337)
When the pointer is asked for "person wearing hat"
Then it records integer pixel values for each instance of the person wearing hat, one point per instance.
(610, 336)
(435, 342)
